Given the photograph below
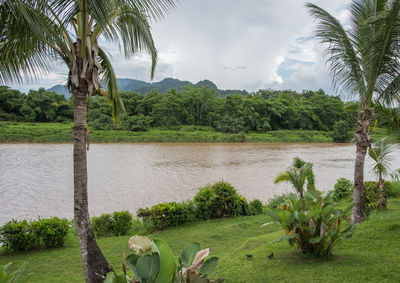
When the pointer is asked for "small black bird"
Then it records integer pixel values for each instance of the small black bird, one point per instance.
(271, 256)
(249, 255)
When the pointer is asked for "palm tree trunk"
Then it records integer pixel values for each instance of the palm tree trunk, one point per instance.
(363, 142)
(94, 262)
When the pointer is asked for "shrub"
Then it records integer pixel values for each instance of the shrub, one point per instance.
(103, 225)
(392, 189)
(19, 236)
(139, 123)
(103, 122)
(341, 131)
(122, 222)
(312, 224)
(256, 207)
(371, 196)
(218, 200)
(230, 125)
(169, 214)
(52, 231)
(342, 189)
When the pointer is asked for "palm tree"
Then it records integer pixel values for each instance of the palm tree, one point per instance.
(297, 176)
(380, 153)
(364, 61)
(35, 32)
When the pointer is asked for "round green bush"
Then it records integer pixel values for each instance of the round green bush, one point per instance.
(19, 236)
(256, 207)
(52, 231)
(342, 189)
(102, 225)
(122, 222)
(219, 200)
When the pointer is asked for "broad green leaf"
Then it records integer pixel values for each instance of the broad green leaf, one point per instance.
(111, 277)
(208, 266)
(274, 216)
(167, 261)
(131, 261)
(139, 244)
(314, 240)
(148, 267)
(188, 254)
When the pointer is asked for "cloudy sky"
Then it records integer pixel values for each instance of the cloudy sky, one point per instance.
(237, 44)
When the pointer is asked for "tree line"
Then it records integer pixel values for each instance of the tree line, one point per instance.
(260, 111)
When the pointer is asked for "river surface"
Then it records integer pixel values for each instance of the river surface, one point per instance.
(37, 179)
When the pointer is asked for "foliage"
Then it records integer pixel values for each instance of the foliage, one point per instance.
(18, 236)
(342, 189)
(168, 214)
(190, 106)
(119, 223)
(23, 235)
(103, 122)
(153, 261)
(52, 231)
(392, 189)
(312, 223)
(341, 131)
(230, 125)
(218, 200)
(371, 196)
(122, 222)
(102, 225)
(278, 200)
(298, 176)
(255, 207)
(6, 277)
(139, 123)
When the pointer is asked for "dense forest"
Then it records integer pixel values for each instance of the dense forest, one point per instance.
(261, 111)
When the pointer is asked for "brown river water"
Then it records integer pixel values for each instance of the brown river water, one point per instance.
(37, 179)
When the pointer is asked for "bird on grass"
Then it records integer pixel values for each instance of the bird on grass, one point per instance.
(271, 255)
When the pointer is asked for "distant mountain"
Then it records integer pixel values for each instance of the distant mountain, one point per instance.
(60, 89)
(162, 86)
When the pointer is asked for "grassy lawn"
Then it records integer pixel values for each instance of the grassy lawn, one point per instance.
(372, 254)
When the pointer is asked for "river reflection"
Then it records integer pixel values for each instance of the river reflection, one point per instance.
(37, 179)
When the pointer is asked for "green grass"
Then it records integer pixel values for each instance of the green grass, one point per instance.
(12, 132)
(371, 255)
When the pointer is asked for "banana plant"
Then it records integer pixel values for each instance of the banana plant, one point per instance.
(313, 224)
(154, 262)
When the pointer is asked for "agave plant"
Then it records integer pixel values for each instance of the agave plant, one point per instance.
(153, 261)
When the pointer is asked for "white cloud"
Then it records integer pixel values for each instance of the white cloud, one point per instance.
(241, 44)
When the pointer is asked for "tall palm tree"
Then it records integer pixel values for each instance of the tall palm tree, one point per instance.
(380, 152)
(364, 61)
(298, 177)
(35, 32)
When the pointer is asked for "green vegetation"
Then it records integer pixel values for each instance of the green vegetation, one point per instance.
(11, 132)
(368, 256)
(119, 223)
(342, 189)
(262, 111)
(154, 262)
(23, 235)
(212, 201)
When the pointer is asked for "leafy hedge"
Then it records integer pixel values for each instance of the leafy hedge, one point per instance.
(116, 224)
(23, 235)
(212, 201)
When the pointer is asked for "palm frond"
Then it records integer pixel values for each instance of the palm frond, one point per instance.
(113, 92)
(342, 58)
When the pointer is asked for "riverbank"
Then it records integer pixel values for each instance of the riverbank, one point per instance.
(369, 255)
(12, 132)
